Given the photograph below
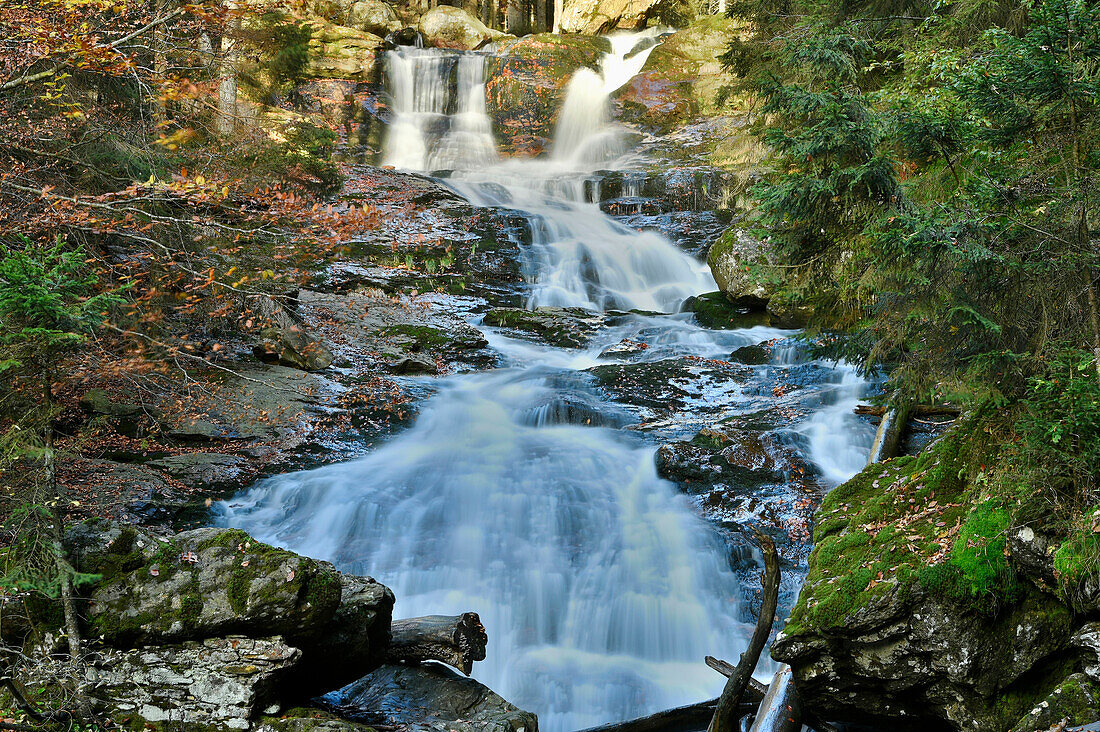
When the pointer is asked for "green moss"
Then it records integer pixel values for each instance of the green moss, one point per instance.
(323, 588)
(1078, 557)
(880, 532)
(424, 336)
(237, 589)
(714, 310)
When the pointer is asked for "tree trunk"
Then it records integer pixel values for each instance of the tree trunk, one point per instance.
(57, 501)
(227, 86)
(888, 437)
(456, 640)
(726, 712)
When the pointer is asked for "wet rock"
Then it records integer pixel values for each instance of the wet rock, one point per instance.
(563, 327)
(215, 684)
(445, 26)
(596, 17)
(144, 492)
(1087, 642)
(1076, 701)
(670, 385)
(715, 310)
(726, 457)
(374, 17)
(205, 470)
(754, 355)
(624, 349)
(340, 52)
(429, 698)
(395, 333)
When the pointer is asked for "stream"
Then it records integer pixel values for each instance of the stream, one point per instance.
(520, 493)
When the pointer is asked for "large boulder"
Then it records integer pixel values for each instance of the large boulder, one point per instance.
(285, 341)
(215, 684)
(429, 698)
(374, 17)
(206, 583)
(446, 26)
(595, 17)
(738, 262)
(340, 52)
(911, 615)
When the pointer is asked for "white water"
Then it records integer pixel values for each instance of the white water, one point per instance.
(600, 587)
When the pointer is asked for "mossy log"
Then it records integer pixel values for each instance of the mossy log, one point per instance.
(457, 640)
(888, 435)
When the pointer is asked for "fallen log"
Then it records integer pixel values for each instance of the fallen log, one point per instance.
(726, 713)
(456, 640)
(888, 436)
(920, 410)
(781, 709)
(681, 719)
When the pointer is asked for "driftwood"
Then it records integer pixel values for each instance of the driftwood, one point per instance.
(756, 692)
(726, 713)
(781, 710)
(888, 436)
(681, 719)
(919, 410)
(457, 640)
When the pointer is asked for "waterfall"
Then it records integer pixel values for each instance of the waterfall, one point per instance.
(600, 587)
(438, 102)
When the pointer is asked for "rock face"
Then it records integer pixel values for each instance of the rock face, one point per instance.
(595, 17)
(728, 457)
(445, 26)
(218, 683)
(430, 697)
(526, 85)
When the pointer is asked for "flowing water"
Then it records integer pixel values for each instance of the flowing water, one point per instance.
(600, 586)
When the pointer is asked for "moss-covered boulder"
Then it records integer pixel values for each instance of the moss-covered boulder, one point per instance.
(742, 267)
(445, 26)
(340, 52)
(1075, 701)
(206, 583)
(563, 327)
(716, 310)
(911, 609)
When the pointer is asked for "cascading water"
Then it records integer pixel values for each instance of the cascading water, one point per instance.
(599, 585)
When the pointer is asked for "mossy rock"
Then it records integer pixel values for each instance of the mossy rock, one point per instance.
(1076, 699)
(910, 608)
(715, 310)
(206, 583)
(562, 327)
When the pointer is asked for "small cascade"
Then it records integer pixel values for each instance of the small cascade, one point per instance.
(584, 134)
(438, 101)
